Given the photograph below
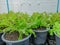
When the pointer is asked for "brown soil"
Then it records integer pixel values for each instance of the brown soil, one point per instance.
(12, 36)
(41, 28)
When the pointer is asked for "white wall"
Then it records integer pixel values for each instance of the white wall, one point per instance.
(34, 5)
(14, 5)
(3, 7)
(31, 6)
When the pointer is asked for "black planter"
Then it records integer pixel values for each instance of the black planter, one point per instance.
(51, 39)
(41, 37)
(57, 39)
(24, 41)
(31, 39)
(1, 42)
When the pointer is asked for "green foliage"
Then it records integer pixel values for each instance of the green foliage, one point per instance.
(35, 20)
(44, 20)
(39, 20)
(54, 17)
(16, 22)
(3, 21)
(56, 28)
(23, 23)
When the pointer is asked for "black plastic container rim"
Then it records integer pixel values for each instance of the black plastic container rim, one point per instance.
(42, 30)
(7, 41)
(56, 35)
(1, 32)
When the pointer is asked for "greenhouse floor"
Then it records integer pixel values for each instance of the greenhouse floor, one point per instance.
(51, 42)
(44, 44)
(48, 42)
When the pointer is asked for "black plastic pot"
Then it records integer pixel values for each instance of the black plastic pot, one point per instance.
(31, 39)
(24, 41)
(1, 42)
(41, 37)
(57, 39)
(51, 39)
